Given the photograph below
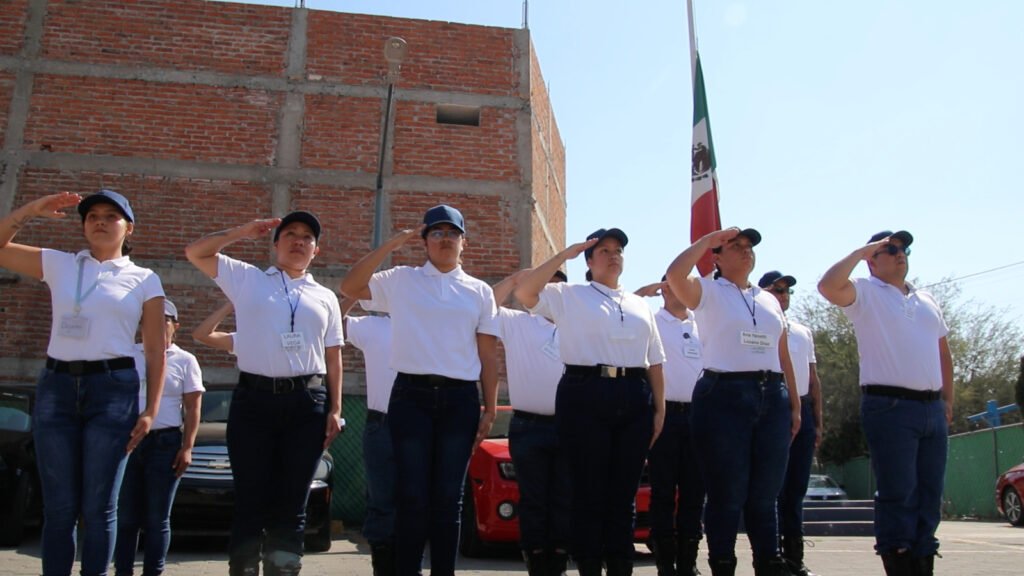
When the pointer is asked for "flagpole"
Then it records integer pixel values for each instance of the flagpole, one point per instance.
(693, 43)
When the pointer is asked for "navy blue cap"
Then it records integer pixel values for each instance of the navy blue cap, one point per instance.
(299, 216)
(902, 236)
(774, 276)
(110, 197)
(601, 234)
(753, 235)
(443, 214)
(561, 276)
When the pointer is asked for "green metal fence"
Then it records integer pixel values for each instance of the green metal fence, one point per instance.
(976, 459)
(348, 503)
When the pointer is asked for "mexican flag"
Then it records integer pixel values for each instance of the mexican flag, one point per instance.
(704, 217)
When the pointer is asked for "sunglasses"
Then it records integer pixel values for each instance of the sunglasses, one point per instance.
(781, 290)
(438, 235)
(893, 249)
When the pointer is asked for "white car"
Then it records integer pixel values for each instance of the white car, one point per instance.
(823, 487)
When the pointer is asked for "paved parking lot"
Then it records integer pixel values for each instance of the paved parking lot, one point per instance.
(968, 548)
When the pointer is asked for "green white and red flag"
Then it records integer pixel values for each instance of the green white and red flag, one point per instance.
(704, 216)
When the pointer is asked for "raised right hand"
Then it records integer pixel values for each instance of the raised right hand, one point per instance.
(51, 206)
(258, 228)
(720, 238)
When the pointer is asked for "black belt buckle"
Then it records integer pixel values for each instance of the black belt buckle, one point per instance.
(76, 367)
(283, 385)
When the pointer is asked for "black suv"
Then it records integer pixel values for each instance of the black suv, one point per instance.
(205, 498)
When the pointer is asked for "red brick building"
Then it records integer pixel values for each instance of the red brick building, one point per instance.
(209, 114)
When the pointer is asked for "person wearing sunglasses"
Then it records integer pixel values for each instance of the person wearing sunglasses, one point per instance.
(801, 449)
(745, 405)
(444, 326)
(610, 402)
(906, 376)
(677, 487)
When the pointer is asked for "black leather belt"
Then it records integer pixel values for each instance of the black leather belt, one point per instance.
(434, 380)
(162, 431)
(375, 416)
(604, 371)
(83, 367)
(902, 393)
(279, 385)
(673, 406)
(763, 376)
(533, 416)
(805, 398)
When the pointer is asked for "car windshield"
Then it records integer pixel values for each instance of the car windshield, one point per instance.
(501, 422)
(14, 412)
(215, 406)
(822, 482)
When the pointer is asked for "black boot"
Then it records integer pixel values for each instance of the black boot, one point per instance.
(271, 570)
(665, 555)
(925, 565)
(536, 562)
(723, 567)
(382, 557)
(589, 567)
(898, 564)
(686, 557)
(557, 562)
(771, 567)
(619, 566)
(793, 554)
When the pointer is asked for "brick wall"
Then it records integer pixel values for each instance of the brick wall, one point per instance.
(210, 114)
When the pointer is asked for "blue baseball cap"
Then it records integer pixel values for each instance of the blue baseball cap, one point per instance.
(306, 218)
(110, 197)
(601, 234)
(774, 276)
(443, 214)
(902, 236)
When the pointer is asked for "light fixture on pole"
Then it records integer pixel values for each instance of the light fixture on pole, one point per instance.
(395, 51)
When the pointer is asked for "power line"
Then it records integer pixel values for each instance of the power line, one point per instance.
(950, 280)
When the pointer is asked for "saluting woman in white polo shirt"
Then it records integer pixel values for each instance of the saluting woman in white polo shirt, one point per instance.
(87, 415)
(444, 339)
(286, 409)
(744, 410)
(610, 404)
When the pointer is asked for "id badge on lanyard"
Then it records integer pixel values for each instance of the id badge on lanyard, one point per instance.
(292, 341)
(75, 325)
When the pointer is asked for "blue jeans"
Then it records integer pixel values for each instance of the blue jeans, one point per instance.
(379, 461)
(81, 428)
(542, 474)
(432, 430)
(605, 427)
(147, 493)
(675, 474)
(741, 435)
(908, 440)
(274, 442)
(798, 474)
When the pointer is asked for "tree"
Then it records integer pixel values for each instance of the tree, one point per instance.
(985, 347)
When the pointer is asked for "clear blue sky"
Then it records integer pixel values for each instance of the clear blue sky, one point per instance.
(831, 121)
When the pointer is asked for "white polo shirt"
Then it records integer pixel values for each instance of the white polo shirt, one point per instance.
(897, 335)
(801, 353)
(600, 325)
(183, 377)
(112, 296)
(263, 301)
(435, 317)
(739, 329)
(683, 356)
(532, 360)
(372, 335)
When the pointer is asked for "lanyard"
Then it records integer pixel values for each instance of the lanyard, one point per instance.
(622, 317)
(79, 297)
(288, 296)
(753, 305)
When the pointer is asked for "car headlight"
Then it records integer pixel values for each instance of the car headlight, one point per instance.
(506, 510)
(507, 470)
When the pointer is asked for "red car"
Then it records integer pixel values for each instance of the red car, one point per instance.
(490, 505)
(1009, 489)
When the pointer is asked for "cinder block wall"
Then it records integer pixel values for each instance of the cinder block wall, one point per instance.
(210, 114)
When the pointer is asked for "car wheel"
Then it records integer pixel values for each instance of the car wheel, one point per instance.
(470, 543)
(12, 524)
(320, 541)
(1012, 507)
